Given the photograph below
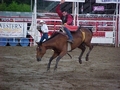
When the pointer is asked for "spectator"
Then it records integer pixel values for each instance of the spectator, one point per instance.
(43, 30)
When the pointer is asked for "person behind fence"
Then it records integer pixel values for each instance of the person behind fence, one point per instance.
(66, 18)
(43, 30)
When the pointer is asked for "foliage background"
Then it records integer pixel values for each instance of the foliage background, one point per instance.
(15, 5)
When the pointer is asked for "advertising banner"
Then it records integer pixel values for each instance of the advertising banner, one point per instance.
(98, 8)
(68, 0)
(13, 29)
(107, 1)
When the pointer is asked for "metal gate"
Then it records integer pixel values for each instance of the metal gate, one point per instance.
(103, 27)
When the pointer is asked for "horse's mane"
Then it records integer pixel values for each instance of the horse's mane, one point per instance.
(55, 33)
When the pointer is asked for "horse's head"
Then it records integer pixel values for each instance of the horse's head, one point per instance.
(40, 52)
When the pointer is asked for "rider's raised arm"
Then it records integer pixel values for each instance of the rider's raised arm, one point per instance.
(58, 10)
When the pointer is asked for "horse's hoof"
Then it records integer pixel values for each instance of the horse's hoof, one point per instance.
(80, 61)
(38, 59)
(48, 69)
(87, 59)
(55, 69)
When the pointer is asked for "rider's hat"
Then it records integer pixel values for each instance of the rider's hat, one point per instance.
(41, 21)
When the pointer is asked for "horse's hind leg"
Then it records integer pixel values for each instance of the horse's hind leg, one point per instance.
(50, 60)
(90, 48)
(82, 47)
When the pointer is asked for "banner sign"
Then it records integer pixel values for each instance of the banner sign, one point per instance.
(68, 0)
(98, 8)
(13, 29)
(107, 1)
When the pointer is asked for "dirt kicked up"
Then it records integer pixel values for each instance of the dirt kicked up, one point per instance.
(19, 70)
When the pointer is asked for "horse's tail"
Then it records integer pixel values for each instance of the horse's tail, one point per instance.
(90, 30)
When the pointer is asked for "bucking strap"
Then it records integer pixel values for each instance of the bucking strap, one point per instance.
(83, 33)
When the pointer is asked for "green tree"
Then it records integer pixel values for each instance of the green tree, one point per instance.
(3, 7)
(13, 6)
(24, 7)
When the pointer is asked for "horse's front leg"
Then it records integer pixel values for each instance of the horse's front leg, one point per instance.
(58, 59)
(55, 54)
(82, 47)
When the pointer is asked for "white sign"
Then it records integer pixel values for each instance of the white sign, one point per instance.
(13, 29)
(107, 1)
(68, 0)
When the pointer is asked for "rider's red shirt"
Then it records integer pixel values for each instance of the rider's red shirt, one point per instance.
(59, 12)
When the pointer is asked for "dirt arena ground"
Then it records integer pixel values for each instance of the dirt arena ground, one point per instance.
(19, 70)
